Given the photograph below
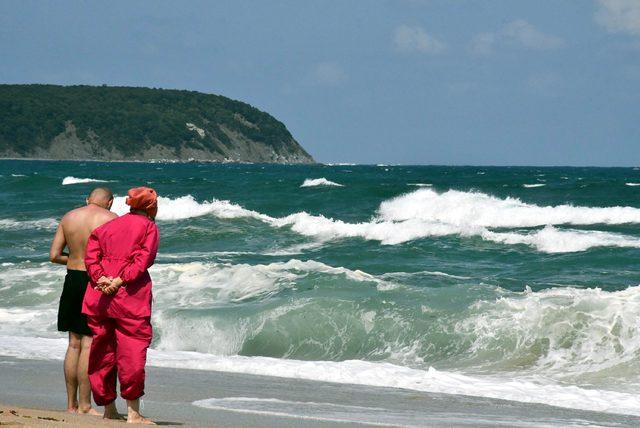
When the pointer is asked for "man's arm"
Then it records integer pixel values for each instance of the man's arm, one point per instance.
(93, 259)
(56, 253)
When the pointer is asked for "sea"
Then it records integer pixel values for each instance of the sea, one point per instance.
(517, 283)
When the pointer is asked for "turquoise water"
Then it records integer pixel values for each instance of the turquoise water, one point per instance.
(515, 274)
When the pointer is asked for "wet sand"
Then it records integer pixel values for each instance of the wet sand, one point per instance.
(238, 400)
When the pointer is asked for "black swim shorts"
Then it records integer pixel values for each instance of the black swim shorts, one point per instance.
(70, 316)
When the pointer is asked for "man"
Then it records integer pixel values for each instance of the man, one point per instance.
(73, 232)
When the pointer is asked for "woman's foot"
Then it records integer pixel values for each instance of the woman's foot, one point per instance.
(133, 414)
(110, 412)
(137, 418)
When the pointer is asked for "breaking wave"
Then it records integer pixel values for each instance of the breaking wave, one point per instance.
(73, 180)
(313, 182)
(427, 213)
(531, 343)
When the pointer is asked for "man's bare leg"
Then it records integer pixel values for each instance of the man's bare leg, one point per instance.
(84, 387)
(133, 413)
(71, 371)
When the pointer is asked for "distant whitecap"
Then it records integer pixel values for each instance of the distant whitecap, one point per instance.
(73, 180)
(313, 182)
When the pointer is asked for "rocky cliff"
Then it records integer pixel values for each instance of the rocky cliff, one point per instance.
(122, 123)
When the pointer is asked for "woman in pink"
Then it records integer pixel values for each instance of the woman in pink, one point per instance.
(118, 303)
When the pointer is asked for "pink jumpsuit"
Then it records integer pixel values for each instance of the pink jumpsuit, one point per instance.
(124, 247)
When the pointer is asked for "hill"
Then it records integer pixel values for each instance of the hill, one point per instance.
(126, 123)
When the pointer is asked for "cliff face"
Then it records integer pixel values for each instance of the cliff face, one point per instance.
(109, 123)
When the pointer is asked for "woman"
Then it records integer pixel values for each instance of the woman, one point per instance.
(118, 303)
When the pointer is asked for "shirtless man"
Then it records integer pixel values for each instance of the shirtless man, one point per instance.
(73, 232)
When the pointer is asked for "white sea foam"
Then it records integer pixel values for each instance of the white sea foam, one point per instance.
(313, 182)
(420, 184)
(318, 411)
(528, 186)
(187, 207)
(573, 333)
(553, 240)
(479, 209)
(18, 175)
(632, 184)
(395, 275)
(44, 223)
(73, 180)
(426, 213)
(194, 284)
(358, 372)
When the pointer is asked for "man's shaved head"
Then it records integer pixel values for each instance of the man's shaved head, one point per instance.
(101, 196)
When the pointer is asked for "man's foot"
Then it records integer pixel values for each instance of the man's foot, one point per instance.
(90, 412)
(72, 410)
(139, 419)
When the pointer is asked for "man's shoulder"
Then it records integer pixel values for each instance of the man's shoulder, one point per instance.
(73, 215)
(102, 219)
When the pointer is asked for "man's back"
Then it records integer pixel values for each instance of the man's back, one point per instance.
(77, 225)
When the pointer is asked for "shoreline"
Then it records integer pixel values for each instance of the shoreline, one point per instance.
(242, 400)
(329, 164)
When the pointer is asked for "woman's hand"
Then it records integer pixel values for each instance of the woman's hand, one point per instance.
(102, 282)
(113, 286)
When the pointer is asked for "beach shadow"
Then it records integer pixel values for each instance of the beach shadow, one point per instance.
(169, 423)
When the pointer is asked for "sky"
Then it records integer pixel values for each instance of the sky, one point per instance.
(475, 82)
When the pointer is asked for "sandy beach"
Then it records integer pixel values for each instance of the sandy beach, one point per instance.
(238, 400)
(19, 416)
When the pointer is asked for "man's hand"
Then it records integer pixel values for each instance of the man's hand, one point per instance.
(113, 286)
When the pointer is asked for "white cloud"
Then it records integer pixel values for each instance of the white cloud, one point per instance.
(530, 37)
(416, 39)
(515, 33)
(328, 73)
(619, 16)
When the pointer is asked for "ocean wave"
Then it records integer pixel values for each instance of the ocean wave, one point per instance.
(185, 207)
(529, 186)
(12, 224)
(632, 184)
(450, 208)
(313, 182)
(194, 284)
(426, 213)
(313, 311)
(563, 333)
(553, 240)
(73, 180)
(357, 372)
(479, 209)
